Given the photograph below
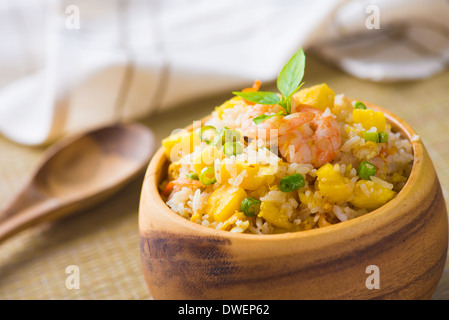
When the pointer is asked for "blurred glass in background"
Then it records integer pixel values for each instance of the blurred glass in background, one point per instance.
(67, 66)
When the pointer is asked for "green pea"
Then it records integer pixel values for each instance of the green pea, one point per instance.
(193, 176)
(250, 206)
(359, 105)
(292, 183)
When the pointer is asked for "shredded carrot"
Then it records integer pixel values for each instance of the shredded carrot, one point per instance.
(254, 88)
(383, 152)
(180, 183)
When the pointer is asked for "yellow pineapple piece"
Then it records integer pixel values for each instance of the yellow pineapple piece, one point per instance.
(254, 174)
(180, 144)
(369, 118)
(271, 212)
(334, 186)
(369, 195)
(224, 202)
(227, 105)
(206, 158)
(319, 96)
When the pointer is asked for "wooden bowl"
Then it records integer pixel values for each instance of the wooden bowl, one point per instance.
(401, 247)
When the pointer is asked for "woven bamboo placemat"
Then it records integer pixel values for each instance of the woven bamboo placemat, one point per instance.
(103, 242)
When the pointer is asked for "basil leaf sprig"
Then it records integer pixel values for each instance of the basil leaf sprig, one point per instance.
(288, 82)
(264, 117)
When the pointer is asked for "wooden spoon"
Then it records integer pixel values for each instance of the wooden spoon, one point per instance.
(77, 173)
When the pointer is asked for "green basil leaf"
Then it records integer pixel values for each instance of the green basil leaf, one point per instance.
(261, 97)
(284, 104)
(264, 117)
(291, 75)
(299, 87)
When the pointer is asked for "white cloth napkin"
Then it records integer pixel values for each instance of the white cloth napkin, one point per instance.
(72, 65)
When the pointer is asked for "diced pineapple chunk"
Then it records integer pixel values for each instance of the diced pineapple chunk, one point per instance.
(271, 212)
(240, 227)
(206, 158)
(369, 195)
(225, 201)
(173, 170)
(180, 144)
(319, 96)
(397, 177)
(196, 216)
(369, 118)
(254, 178)
(332, 185)
(342, 107)
(227, 105)
(307, 198)
(238, 222)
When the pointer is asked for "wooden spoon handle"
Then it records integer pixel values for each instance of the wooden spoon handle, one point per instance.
(29, 196)
(12, 224)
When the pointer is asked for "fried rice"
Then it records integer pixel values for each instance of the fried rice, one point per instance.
(253, 173)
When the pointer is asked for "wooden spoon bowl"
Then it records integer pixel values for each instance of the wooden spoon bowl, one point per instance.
(404, 244)
(77, 173)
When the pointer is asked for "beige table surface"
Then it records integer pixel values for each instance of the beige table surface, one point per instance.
(103, 242)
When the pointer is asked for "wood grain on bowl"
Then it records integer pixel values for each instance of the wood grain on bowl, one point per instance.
(406, 240)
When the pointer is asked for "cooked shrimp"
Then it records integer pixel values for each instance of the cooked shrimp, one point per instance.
(306, 136)
(275, 126)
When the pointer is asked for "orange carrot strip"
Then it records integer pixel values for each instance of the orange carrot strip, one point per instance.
(254, 88)
(180, 183)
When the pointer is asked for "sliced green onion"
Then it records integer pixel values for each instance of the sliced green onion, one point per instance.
(359, 105)
(230, 135)
(371, 136)
(377, 137)
(205, 136)
(383, 137)
(192, 176)
(250, 206)
(366, 170)
(292, 183)
(232, 148)
(207, 176)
